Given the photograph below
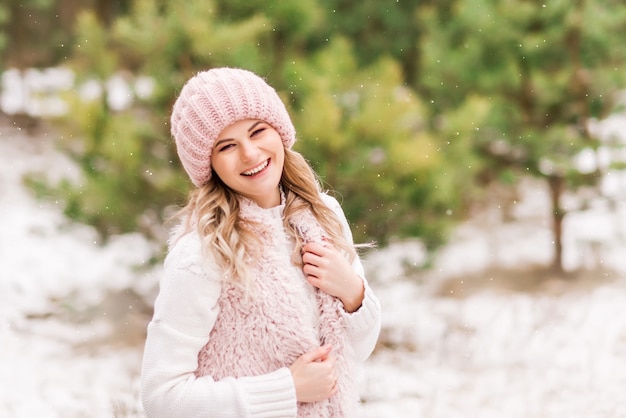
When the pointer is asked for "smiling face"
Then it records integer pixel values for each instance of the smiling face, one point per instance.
(248, 156)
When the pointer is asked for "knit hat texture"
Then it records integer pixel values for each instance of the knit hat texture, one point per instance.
(215, 99)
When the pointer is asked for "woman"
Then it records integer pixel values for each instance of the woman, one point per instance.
(263, 308)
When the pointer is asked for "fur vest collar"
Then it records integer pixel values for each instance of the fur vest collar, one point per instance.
(268, 330)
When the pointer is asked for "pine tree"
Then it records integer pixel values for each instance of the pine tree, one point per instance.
(544, 69)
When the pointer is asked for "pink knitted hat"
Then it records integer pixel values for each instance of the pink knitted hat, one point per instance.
(215, 99)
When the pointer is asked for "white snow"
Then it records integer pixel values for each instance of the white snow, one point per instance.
(57, 355)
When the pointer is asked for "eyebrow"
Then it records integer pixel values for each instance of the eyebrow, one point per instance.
(250, 129)
(254, 125)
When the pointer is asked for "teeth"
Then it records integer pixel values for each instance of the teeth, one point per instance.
(256, 169)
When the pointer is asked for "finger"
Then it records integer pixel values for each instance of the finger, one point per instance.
(311, 258)
(319, 354)
(315, 248)
(329, 360)
(314, 281)
(311, 270)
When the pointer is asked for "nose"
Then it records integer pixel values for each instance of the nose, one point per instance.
(247, 150)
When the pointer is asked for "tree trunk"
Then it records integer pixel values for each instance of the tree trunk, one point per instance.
(557, 184)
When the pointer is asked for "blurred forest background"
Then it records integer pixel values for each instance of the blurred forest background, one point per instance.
(490, 133)
(416, 112)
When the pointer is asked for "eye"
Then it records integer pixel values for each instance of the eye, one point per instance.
(258, 131)
(225, 147)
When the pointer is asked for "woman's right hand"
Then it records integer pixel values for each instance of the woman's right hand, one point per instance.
(315, 375)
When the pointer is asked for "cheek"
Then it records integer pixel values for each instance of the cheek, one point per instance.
(280, 159)
(219, 166)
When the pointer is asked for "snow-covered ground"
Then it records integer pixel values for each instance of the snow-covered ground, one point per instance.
(71, 315)
(481, 334)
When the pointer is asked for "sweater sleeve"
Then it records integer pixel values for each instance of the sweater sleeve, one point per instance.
(184, 315)
(364, 324)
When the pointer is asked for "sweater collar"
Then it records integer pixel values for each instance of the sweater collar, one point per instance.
(249, 210)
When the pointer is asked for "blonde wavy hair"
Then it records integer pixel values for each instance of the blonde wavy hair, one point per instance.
(214, 210)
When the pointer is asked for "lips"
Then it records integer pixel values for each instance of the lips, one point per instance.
(257, 169)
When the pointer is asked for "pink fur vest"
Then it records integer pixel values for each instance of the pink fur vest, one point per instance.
(268, 331)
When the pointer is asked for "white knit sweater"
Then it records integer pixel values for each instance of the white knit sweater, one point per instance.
(184, 315)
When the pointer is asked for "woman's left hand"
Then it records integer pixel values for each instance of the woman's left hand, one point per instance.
(327, 269)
